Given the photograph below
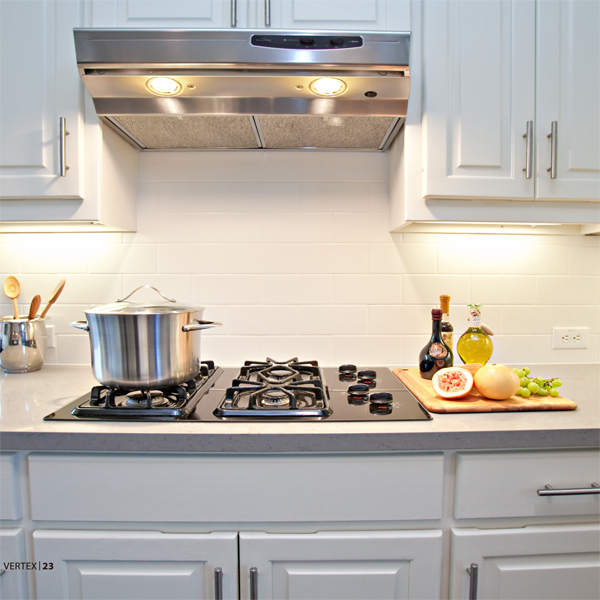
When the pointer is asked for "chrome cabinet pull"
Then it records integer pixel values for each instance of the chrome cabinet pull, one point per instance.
(63, 147)
(550, 491)
(234, 13)
(267, 13)
(528, 135)
(253, 583)
(473, 572)
(218, 583)
(553, 135)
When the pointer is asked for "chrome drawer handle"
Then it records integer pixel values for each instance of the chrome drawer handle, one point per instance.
(234, 13)
(528, 135)
(267, 13)
(553, 135)
(253, 583)
(550, 491)
(63, 147)
(218, 583)
(473, 572)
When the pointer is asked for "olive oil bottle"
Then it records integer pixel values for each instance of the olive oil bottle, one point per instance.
(474, 345)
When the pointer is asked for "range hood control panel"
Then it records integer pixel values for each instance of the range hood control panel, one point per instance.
(304, 42)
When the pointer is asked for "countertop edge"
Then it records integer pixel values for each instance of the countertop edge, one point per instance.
(297, 442)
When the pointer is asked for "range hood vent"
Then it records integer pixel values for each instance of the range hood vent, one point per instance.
(240, 89)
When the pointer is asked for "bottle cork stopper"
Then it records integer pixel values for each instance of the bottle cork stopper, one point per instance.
(445, 303)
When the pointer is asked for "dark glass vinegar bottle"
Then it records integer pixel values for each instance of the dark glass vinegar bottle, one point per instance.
(435, 355)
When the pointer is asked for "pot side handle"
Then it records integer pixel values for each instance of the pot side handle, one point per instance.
(83, 325)
(200, 325)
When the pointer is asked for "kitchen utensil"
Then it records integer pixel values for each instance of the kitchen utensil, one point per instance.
(54, 296)
(34, 307)
(22, 344)
(144, 345)
(474, 401)
(12, 288)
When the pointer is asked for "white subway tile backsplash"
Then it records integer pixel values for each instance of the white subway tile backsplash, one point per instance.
(292, 252)
(507, 289)
(228, 289)
(426, 289)
(122, 258)
(263, 320)
(298, 289)
(584, 260)
(367, 289)
(396, 258)
(332, 320)
(568, 290)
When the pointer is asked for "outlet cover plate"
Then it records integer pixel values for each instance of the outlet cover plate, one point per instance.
(570, 337)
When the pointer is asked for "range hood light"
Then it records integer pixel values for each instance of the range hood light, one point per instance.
(328, 86)
(164, 86)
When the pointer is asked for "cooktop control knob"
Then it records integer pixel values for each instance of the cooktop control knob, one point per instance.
(381, 398)
(367, 377)
(358, 393)
(347, 372)
(307, 41)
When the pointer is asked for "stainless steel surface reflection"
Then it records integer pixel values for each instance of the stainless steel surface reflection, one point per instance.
(23, 344)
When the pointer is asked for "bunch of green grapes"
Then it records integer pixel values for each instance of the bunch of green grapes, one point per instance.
(536, 385)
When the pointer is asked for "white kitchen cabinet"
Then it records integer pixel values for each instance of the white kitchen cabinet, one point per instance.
(568, 93)
(13, 580)
(536, 563)
(458, 161)
(40, 85)
(355, 15)
(195, 14)
(137, 565)
(481, 89)
(341, 565)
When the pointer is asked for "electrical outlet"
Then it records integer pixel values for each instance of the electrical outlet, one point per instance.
(570, 337)
(51, 342)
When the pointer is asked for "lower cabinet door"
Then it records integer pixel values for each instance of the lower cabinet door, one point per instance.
(13, 578)
(530, 563)
(135, 565)
(362, 565)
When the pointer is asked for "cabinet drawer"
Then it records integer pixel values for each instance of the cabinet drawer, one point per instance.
(505, 484)
(238, 488)
(10, 488)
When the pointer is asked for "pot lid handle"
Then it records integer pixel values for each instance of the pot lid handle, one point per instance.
(145, 286)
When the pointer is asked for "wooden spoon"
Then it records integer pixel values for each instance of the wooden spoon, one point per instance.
(54, 296)
(35, 305)
(12, 288)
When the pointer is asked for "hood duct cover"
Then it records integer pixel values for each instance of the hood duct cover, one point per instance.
(247, 89)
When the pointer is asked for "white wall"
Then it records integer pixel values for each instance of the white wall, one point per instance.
(291, 251)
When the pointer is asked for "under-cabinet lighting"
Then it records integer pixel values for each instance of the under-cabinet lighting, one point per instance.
(57, 227)
(328, 86)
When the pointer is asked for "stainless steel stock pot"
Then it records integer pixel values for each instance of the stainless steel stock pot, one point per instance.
(143, 346)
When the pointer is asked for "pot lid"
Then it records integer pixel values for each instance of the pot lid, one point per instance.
(122, 307)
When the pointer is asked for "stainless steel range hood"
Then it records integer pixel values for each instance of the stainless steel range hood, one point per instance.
(215, 89)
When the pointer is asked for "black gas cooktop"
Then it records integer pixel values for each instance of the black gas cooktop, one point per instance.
(262, 391)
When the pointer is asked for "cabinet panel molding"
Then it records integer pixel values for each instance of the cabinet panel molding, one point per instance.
(238, 488)
(10, 487)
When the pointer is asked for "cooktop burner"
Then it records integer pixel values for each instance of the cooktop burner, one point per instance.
(258, 391)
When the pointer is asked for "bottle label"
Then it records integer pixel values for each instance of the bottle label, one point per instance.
(448, 338)
(475, 320)
(438, 350)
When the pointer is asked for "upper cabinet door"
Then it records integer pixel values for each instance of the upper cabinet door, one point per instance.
(39, 85)
(478, 96)
(568, 93)
(356, 15)
(174, 13)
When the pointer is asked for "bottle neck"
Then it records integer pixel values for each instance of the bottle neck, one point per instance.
(436, 330)
(445, 317)
(475, 320)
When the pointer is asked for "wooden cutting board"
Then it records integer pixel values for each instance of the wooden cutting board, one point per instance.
(474, 401)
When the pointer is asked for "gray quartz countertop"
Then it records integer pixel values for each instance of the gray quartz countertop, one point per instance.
(26, 398)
